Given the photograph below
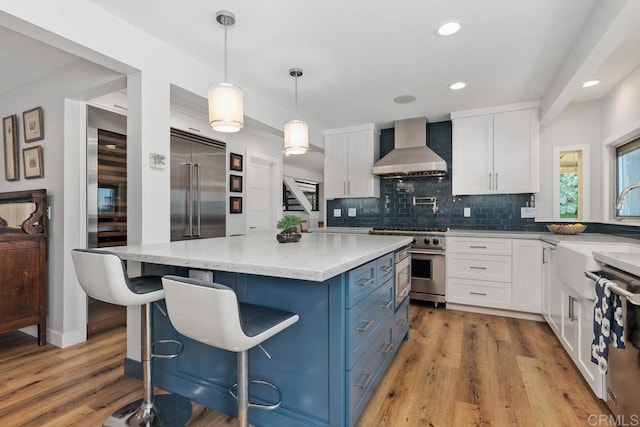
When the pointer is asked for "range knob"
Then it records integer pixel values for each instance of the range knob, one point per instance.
(436, 241)
(426, 241)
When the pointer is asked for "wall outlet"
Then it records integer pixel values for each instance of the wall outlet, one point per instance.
(467, 212)
(337, 213)
(527, 212)
(351, 212)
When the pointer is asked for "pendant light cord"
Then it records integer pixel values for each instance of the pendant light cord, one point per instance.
(297, 116)
(225, 55)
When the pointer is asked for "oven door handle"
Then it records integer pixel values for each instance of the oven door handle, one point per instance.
(426, 252)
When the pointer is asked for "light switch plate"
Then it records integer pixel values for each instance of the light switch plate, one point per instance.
(337, 213)
(351, 212)
(467, 212)
(527, 212)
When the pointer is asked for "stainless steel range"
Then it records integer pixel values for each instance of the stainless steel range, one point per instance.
(427, 261)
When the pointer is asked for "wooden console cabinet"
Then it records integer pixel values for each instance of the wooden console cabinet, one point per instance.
(23, 267)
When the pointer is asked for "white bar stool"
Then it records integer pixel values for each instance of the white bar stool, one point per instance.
(102, 276)
(211, 314)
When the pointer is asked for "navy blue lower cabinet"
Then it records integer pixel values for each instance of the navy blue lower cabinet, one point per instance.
(327, 364)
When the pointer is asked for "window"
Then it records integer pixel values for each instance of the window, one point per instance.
(571, 182)
(627, 174)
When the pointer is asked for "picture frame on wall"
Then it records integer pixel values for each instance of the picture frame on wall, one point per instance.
(11, 162)
(33, 162)
(235, 183)
(235, 162)
(235, 205)
(33, 124)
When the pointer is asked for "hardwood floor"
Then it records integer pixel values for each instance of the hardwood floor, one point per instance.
(457, 369)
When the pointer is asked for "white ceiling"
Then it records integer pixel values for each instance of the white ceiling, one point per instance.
(358, 55)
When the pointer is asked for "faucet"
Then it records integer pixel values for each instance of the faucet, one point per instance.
(623, 195)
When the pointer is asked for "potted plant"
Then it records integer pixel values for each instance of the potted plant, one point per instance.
(289, 226)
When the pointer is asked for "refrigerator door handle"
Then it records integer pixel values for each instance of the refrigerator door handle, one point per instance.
(197, 168)
(189, 232)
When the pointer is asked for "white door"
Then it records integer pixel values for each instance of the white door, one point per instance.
(472, 169)
(263, 193)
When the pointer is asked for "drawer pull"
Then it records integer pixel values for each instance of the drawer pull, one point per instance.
(366, 382)
(478, 293)
(386, 348)
(387, 305)
(402, 323)
(386, 268)
(364, 328)
(367, 283)
(477, 247)
(477, 268)
(404, 292)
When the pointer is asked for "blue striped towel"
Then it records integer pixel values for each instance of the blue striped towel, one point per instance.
(608, 324)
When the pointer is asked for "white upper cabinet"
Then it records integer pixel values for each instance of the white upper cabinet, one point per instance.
(495, 153)
(348, 157)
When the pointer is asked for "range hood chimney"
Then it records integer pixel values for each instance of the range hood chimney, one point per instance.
(411, 156)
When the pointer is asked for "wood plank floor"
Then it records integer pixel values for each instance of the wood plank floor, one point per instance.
(457, 369)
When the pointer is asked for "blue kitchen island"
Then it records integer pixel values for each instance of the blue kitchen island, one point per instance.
(330, 362)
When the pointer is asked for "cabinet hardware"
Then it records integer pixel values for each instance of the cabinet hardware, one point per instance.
(386, 268)
(478, 293)
(477, 247)
(386, 348)
(344, 185)
(477, 268)
(490, 183)
(403, 322)
(387, 305)
(366, 382)
(198, 207)
(367, 326)
(496, 179)
(366, 283)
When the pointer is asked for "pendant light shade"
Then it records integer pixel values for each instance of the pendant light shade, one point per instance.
(296, 132)
(296, 137)
(225, 107)
(225, 99)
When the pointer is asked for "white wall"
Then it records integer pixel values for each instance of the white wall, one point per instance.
(49, 92)
(621, 110)
(579, 123)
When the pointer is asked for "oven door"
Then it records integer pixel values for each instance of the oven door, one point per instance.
(403, 280)
(427, 276)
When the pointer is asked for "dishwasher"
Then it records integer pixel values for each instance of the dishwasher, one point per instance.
(623, 375)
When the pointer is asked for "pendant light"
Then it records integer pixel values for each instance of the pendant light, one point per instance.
(296, 132)
(225, 99)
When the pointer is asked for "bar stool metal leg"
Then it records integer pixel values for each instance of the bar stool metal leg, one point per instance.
(243, 388)
(172, 410)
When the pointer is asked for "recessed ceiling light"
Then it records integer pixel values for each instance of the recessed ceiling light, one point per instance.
(448, 29)
(404, 99)
(457, 85)
(591, 83)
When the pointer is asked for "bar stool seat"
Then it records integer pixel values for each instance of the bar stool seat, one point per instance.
(102, 276)
(211, 314)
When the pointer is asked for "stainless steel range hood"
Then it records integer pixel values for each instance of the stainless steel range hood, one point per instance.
(411, 156)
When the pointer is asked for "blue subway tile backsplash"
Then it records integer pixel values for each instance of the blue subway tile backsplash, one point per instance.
(395, 205)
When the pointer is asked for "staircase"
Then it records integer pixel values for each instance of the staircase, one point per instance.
(299, 195)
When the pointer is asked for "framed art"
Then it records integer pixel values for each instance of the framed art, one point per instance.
(33, 164)
(235, 205)
(235, 162)
(235, 183)
(11, 162)
(33, 125)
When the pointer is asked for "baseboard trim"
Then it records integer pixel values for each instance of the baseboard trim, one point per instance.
(67, 339)
(495, 312)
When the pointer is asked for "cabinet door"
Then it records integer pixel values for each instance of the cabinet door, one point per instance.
(335, 166)
(555, 296)
(472, 155)
(360, 155)
(569, 323)
(21, 281)
(527, 264)
(515, 151)
(588, 369)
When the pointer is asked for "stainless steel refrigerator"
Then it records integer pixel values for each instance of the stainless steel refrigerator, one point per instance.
(198, 187)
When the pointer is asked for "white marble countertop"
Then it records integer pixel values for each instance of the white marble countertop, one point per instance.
(317, 257)
(625, 261)
(350, 230)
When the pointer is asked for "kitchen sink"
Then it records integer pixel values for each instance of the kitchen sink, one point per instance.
(573, 259)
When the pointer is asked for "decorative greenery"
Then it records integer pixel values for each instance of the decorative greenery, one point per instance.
(569, 195)
(289, 223)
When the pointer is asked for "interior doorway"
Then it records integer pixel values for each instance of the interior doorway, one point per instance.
(263, 192)
(106, 202)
